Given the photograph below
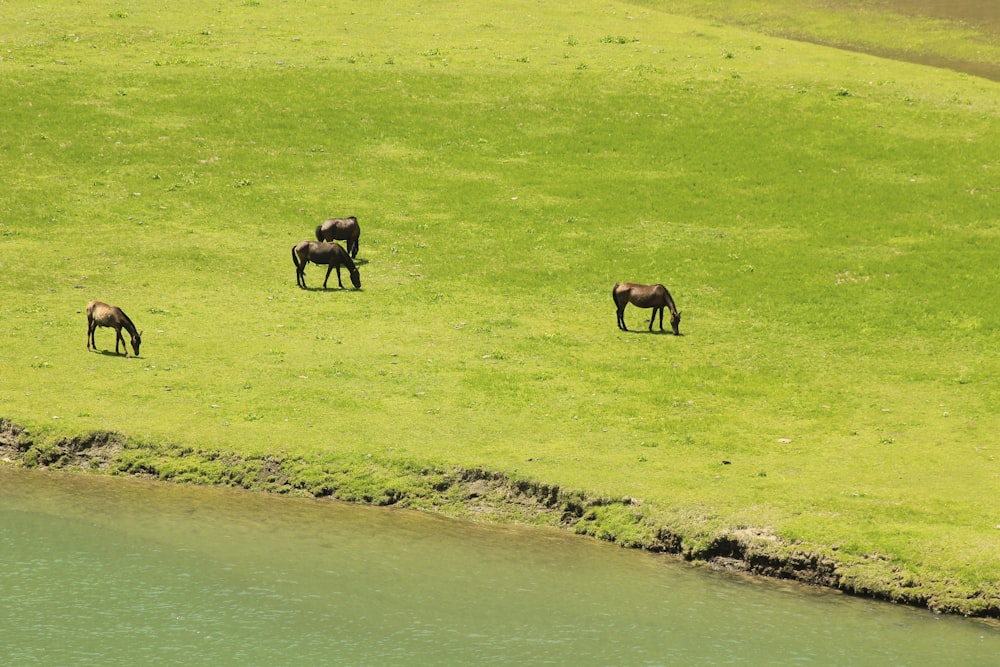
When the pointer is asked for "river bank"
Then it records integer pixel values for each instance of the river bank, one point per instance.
(481, 495)
(135, 571)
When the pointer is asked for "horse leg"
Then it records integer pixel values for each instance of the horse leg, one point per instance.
(300, 270)
(295, 261)
(90, 333)
(338, 277)
(328, 270)
(621, 318)
(661, 317)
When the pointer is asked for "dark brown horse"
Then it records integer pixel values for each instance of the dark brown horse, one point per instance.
(341, 229)
(332, 254)
(102, 315)
(645, 296)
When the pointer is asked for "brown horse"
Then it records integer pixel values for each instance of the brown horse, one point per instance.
(645, 296)
(332, 254)
(102, 315)
(341, 229)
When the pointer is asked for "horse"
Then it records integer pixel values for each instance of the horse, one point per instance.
(645, 296)
(341, 229)
(332, 254)
(102, 315)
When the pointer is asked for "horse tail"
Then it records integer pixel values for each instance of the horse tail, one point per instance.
(295, 259)
(614, 293)
(319, 233)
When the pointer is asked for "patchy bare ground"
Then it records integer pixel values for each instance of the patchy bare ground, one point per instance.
(485, 496)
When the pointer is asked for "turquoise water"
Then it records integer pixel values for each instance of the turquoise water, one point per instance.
(100, 571)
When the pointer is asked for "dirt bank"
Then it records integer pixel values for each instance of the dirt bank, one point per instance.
(487, 496)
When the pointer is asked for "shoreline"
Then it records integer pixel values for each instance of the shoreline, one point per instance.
(482, 495)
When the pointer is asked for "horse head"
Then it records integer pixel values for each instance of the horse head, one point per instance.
(675, 322)
(356, 279)
(136, 341)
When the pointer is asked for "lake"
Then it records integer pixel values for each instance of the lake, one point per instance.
(111, 571)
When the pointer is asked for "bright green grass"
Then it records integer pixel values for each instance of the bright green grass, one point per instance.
(827, 223)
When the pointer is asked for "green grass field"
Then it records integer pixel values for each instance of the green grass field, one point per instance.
(826, 221)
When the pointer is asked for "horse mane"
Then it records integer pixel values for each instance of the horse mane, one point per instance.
(128, 324)
(670, 301)
(351, 266)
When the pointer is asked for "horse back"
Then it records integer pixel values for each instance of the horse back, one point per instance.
(344, 229)
(643, 296)
(303, 251)
(322, 252)
(104, 315)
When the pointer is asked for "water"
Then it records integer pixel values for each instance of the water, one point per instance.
(100, 571)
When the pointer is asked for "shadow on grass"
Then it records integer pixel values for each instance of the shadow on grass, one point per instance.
(331, 289)
(111, 353)
(647, 332)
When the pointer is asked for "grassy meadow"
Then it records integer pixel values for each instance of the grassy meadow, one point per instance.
(826, 221)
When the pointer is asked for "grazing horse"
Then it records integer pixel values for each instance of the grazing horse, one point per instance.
(333, 254)
(645, 296)
(102, 315)
(341, 229)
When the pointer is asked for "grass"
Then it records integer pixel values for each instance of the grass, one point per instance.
(915, 30)
(826, 221)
